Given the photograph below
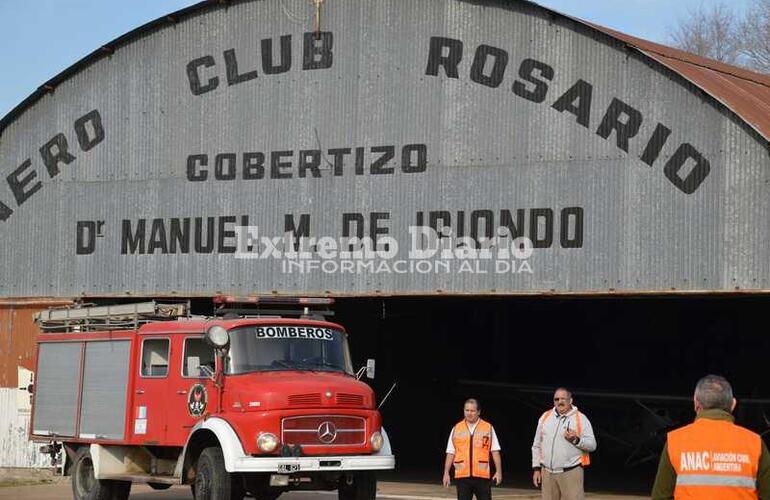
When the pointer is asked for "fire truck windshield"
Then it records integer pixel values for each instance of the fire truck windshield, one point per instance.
(287, 347)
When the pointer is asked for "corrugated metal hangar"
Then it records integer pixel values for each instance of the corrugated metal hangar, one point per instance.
(582, 207)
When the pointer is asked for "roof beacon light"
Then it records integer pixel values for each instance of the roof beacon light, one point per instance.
(272, 300)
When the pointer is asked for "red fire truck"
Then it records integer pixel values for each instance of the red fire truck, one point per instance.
(242, 403)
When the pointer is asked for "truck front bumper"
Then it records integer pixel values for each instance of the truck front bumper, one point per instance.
(290, 465)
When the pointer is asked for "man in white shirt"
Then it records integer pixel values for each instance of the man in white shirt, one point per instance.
(470, 445)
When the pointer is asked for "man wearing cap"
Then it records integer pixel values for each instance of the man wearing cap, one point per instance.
(471, 444)
(563, 439)
(712, 457)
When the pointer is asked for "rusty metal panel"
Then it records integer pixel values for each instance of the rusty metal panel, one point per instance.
(17, 336)
(744, 92)
(478, 114)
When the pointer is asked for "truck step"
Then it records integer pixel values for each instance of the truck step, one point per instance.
(144, 478)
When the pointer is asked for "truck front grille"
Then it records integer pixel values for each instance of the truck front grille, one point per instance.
(323, 430)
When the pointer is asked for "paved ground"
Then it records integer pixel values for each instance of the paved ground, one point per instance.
(385, 490)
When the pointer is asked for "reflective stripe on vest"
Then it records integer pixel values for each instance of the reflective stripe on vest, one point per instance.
(472, 451)
(705, 480)
(714, 459)
(585, 458)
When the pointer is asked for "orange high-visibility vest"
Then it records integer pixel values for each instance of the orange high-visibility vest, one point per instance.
(585, 458)
(472, 450)
(714, 459)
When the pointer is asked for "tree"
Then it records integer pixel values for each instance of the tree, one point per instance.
(712, 33)
(755, 32)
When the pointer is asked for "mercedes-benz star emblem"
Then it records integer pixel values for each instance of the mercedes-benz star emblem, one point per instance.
(327, 432)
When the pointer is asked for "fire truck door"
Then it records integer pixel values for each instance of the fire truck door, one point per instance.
(151, 392)
(194, 394)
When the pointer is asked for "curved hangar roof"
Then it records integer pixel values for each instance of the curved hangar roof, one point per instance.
(744, 92)
(629, 166)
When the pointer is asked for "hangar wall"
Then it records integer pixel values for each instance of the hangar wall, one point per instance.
(17, 340)
(132, 175)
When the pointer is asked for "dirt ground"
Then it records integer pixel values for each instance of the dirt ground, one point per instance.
(59, 488)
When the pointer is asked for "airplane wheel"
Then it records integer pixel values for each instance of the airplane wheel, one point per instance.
(258, 486)
(363, 487)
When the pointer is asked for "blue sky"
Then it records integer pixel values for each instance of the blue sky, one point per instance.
(40, 38)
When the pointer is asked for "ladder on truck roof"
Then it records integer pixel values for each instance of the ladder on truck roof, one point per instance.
(92, 317)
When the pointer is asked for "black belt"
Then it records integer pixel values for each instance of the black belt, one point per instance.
(565, 469)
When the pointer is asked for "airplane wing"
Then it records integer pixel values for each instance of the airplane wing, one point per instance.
(596, 393)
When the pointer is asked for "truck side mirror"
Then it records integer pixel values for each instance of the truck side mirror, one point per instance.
(206, 371)
(370, 368)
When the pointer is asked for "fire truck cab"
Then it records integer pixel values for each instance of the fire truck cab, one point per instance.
(232, 405)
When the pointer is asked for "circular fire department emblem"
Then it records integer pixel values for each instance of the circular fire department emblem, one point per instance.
(197, 400)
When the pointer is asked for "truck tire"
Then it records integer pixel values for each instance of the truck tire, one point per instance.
(86, 487)
(212, 481)
(363, 487)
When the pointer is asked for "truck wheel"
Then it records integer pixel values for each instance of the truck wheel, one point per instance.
(86, 487)
(212, 481)
(363, 487)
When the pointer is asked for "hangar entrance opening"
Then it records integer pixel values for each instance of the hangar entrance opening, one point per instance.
(631, 362)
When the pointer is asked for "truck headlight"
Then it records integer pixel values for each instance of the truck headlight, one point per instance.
(267, 442)
(377, 441)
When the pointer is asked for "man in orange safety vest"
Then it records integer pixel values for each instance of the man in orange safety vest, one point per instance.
(471, 444)
(712, 457)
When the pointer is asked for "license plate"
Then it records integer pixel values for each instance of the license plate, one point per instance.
(288, 468)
